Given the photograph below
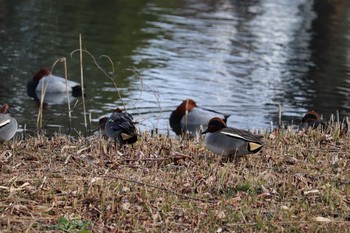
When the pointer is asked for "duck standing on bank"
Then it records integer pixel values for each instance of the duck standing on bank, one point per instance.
(8, 124)
(312, 119)
(188, 117)
(230, 142)
(121, 128)
(55, 87)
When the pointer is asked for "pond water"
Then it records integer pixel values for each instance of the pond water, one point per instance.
(238, 57)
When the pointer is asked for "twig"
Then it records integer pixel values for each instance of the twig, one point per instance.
(279, 115)
(69, 109)
(61, 114)
(64, 60)
(113, 72)
(82, 81)
(103, 71)
(154, 92)
(138, 75)
(40, 114)
(159, 188)
(174, 156)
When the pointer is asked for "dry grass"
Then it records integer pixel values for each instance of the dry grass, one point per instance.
(161, 184)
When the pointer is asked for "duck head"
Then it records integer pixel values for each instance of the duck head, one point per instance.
(215, 124)
(41, 73)
(310, 119)
(4, 109)
(33, 83)
(186, 106)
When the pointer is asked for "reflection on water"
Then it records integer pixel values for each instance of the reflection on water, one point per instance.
(238, 57)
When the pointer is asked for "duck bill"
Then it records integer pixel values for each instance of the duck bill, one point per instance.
(205, 131)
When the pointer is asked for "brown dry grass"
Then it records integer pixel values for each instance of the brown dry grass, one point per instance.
(163, 184)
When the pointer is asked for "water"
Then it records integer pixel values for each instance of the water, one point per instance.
(237, 57)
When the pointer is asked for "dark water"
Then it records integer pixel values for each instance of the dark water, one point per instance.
(238, 57)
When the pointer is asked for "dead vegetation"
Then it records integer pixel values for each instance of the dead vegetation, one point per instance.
(298, 182)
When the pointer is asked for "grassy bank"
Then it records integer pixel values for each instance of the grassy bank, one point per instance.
(298, 182)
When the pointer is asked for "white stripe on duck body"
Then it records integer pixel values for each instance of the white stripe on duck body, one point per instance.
(53, 84)
(8, 124)
(230, 142)
(191, 118)
(121, 127)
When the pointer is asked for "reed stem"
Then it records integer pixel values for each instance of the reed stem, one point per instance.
(82, 81)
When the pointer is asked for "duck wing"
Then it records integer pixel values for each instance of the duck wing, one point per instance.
(4, 119)
(121, 121)
(241, 134)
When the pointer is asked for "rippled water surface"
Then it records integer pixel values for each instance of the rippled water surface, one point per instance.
(237, 57)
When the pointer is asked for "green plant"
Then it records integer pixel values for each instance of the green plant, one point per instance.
(74, 225)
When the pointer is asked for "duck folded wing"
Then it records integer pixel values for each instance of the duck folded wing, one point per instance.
(128, 116)
(4, 119)
(121, 126)
(241, 134)
(120, 123)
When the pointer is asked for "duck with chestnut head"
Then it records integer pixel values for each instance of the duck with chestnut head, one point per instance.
(312, 120)
(230, 142)
(55, 87)
(188, 117)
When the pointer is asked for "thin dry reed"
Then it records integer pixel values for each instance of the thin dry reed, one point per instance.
(82, 81)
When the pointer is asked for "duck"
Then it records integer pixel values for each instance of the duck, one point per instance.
(8, 124)
(54, 85)
(230, 142)
(312, 120)
(188, 117)
(120, 127)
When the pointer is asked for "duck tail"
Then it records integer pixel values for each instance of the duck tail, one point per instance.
(226, 116)
(76, 91)
(254, 147)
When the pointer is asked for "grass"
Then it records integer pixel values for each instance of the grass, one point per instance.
(297, 183)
